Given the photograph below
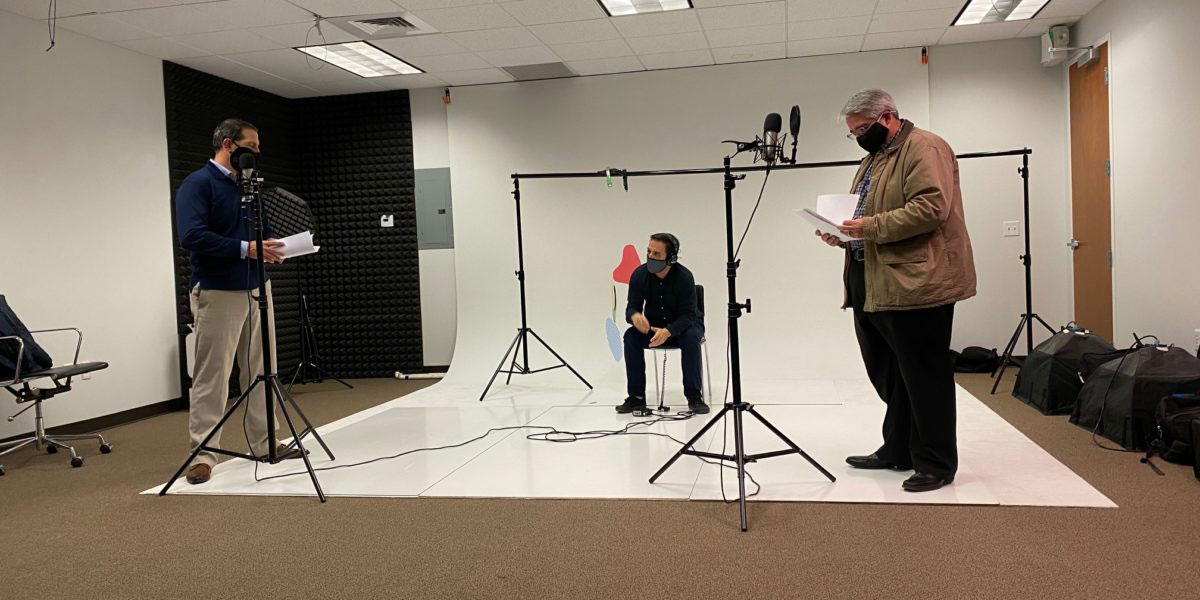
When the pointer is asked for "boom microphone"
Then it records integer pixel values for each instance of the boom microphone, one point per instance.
(771, 129)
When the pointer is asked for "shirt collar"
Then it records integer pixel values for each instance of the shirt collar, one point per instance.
(905, 125)
(224, 171)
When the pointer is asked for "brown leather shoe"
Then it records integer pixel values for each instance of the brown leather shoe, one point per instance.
(283, 452)
(198, 473)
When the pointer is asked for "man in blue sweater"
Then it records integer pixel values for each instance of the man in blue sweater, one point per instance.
(215, 227)
(664, 312)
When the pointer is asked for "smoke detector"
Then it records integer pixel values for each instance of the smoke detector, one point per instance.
(382, 26)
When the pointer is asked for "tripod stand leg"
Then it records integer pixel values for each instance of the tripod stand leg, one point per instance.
(303, 453)
(500, 366)
(740, 454)
(208, 438)
(560, 359)
(522, 339)
(792, 445)
(690, 443)
(1012, 343)
(295, 374)
(307, 424)
(1044, 324)
(1007, 358)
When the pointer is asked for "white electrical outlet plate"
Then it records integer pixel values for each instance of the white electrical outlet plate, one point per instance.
(1012, 228)
(386, 221)
(1196, 340)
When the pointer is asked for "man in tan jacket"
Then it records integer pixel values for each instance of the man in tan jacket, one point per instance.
(912, 263)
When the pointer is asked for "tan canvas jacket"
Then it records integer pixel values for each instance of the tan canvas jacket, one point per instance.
(918, 253)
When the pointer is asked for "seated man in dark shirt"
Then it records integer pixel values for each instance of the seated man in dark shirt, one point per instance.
(663, 311)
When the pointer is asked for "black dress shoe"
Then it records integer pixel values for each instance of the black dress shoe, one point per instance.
(697, 406)
(924, 482)
(631, 404)
(872, 461)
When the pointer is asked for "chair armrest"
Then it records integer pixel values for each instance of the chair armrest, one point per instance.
(20, 359)
(78, 341)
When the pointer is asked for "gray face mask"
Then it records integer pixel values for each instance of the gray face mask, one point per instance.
(655, 266)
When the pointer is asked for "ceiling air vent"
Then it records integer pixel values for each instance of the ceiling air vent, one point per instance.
(543, 71)
(378, 27)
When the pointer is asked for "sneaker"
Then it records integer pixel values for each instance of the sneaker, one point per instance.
(697, 406)
(631, 404)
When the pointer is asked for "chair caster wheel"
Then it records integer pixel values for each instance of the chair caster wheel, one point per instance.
(105, 448)
(2, 471)
(51, 449)
(77, 462)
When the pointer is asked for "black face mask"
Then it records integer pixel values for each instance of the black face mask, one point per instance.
(655, 266)
(874, 138)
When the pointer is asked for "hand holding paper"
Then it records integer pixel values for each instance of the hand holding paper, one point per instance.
(298, 245)
(832, 211)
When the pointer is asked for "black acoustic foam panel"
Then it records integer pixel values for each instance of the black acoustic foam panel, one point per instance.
(350, 159)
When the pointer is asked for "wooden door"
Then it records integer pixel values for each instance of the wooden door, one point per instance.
(1091, 202)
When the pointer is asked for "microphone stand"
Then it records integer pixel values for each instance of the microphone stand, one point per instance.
(251, 187)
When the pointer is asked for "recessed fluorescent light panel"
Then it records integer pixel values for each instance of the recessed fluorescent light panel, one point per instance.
(975, 12)
(361, 58)
(619, 8)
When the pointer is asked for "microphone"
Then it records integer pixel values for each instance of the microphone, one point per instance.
(794, 127)
(244, 160)
(771, 129)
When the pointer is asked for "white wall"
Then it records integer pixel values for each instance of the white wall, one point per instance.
(439, 307)
(85, 225)
(996, 96)
(1154, 83)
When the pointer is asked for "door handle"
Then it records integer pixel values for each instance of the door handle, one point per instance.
(1073, 244)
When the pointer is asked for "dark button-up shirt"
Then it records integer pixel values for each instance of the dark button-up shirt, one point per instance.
(668, 302)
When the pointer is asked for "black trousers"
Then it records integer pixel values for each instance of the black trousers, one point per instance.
(688, 343)
(907, 355)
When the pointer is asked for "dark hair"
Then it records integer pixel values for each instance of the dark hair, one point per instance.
(671, 241)
(229, 128)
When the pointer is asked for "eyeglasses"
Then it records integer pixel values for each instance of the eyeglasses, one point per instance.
(857, 132)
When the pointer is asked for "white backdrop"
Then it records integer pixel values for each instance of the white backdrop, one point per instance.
(575, 229)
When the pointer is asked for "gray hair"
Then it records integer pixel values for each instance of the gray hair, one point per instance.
(870, 102)
(229, 128)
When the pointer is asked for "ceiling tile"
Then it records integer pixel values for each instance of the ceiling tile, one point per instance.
(162, 48)
(302, 34)
(420, 45)
(450, 62)
(103, 6)
(537, 12)
(495, 39)
(38, 9)
(261, 13)
(292, 65)
(747, 36)
(104, 28)
(743, 15)
(596, 30)
(409, 82)
(807, 10)
(834, 45)
(362, 85)
(749, 53)
(235, 71)
(982, 33)
(903, 39)
(912, 21)
(342, 8)
(662, 23)
(592, 50)
(475, 77)
(226, 42)
(1067, 8)
(428, 4)
(179, 20)
(673, 60)
(467, 18)
(889, 6)
(533, 55)
(807, 30)
(678, 42)
(602, 66)
(716, 3)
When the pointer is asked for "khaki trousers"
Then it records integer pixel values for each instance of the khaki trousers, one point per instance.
(227, 325)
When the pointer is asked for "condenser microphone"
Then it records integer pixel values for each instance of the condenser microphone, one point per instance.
(245, 162)
(771, 129)
(794, 128)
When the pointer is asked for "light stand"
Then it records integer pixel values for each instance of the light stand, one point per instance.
(251, 187)
(1027, 319)
(519, 348)
(310, 354)
(738, 407)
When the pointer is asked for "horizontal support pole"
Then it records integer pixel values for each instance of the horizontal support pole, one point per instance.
(718, 170)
